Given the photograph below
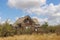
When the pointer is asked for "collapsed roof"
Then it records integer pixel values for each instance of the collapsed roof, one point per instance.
(21, 20)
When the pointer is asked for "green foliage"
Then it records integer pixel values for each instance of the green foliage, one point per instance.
(52, 29)
(1, 29)
(28, 31)
(45, 25)
(57, 29)
(7, 30)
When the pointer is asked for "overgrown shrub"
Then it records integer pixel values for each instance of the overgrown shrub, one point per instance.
(6, 30)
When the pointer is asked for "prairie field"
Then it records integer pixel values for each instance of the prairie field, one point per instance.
(32, 37)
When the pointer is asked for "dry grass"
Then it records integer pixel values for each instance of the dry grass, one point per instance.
(33, 37)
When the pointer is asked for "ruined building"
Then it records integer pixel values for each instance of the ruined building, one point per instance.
(27, 23)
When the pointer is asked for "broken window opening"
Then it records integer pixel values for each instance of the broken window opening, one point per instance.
(26, 20)
(19, 25)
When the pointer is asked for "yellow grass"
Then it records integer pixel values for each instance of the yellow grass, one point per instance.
(33, 37)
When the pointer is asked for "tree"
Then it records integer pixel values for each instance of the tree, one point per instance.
(6, 30)
(45, 25)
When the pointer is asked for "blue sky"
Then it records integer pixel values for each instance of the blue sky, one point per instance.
(12, 12)
(55, 2)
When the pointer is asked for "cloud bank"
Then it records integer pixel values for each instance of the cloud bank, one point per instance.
(39, 7)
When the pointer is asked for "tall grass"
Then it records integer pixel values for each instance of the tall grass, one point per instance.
(32, 37)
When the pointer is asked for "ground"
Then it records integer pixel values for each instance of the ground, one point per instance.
(32, 37)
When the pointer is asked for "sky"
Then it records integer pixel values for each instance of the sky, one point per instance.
(42, 10)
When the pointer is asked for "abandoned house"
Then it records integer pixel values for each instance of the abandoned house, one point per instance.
(28, 23)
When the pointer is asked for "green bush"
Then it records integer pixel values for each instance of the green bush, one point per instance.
(6, 30)
(45, 25)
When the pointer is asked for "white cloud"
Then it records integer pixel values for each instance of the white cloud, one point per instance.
(25, 3)
(16, 18)
(51, 11)
(0, 19)
(8, 21)
(40, 20)
(57, 14)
